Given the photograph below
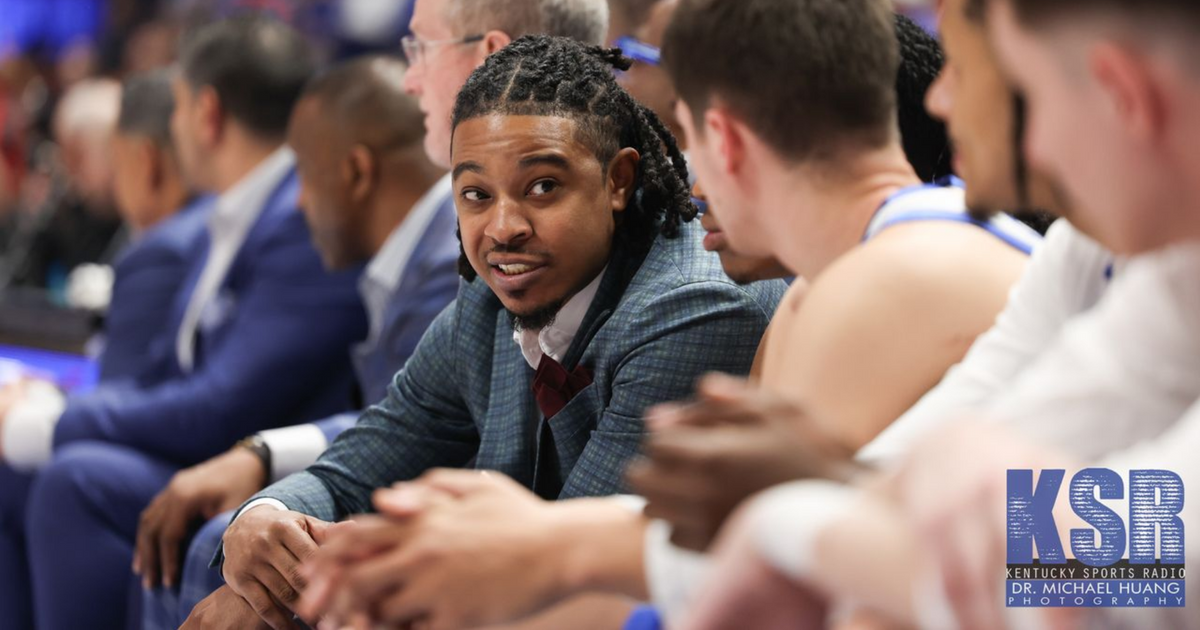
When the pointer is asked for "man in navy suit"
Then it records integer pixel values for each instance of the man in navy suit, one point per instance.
(369, 192)
(260, 338)
(168, 226)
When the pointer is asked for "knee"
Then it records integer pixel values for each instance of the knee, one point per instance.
(69, 487)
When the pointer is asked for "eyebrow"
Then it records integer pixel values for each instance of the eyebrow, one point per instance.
(466, 167)
(549, 159)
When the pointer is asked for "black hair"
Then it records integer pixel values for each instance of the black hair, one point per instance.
(146, 106)
(925, 141)
(554, 76)
(256, 64)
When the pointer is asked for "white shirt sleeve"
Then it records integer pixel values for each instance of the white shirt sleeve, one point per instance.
(28, 429)
(673, 575)
(1122, 373)
(1066, 276)
(294, 448)
(275, 503)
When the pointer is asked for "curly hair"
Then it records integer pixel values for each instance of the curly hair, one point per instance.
(554, 76)
(925, 141)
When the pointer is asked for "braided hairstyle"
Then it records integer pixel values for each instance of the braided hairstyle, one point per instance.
(553, 76)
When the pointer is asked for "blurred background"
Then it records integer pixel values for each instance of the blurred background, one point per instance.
(61, 63)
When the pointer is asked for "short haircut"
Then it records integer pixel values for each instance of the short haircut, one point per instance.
(146, 107)
(581, 20)
(925, 141)
(257, 66)
(366, 98)
(807, 76)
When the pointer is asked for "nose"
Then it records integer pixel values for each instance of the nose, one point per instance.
(412, 79)
(937, 99)
(509, 224)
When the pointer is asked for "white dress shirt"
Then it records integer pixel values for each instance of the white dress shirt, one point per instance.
(295, 448)
(554, 340)
(28, 429)
(236, 211)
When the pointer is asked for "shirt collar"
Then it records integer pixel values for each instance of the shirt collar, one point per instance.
(555, 339)
(387, 266)
(385, 272)
(240, 206)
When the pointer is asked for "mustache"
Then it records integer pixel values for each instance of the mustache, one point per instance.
(516, 249)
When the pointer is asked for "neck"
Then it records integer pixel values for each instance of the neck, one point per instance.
(171, 198)
(835, 203)
(237, 157)
(400, 190)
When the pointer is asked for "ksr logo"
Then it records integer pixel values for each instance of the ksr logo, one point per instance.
(1154, 532)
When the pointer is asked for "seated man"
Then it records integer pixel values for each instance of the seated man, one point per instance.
(370, 193)
(259, 338)
(882, 311)
(1117, 387)
(167, 227)
(588, 298)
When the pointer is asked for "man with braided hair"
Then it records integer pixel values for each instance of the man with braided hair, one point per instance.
(587, 298)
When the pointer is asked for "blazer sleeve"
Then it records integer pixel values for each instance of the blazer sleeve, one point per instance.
(139, 315)
(437, 286)
(678, 337)
(424, 423)
(286, 341)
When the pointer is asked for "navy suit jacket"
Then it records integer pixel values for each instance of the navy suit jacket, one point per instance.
(658, 321)
(429, 283)
(277, 354)
(148, 276)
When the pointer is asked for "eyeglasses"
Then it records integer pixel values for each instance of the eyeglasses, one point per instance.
(639, 50)
(416, 50)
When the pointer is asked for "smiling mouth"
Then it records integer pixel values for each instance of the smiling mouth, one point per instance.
(517, 269)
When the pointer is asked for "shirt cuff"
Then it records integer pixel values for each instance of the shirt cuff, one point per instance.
(294, 448)
(275, 503)
(28, 429)
(787, 521)
(631, 502)
(673, 575)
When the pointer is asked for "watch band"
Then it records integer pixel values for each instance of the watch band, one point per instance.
(257, 445)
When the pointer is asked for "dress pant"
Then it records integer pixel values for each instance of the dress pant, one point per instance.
(16, 598)
(166, 609)
(81, 524)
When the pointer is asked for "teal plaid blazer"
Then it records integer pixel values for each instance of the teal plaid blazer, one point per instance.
(465, 396)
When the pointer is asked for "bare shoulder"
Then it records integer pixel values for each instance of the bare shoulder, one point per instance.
(909, 269)
(889, 318)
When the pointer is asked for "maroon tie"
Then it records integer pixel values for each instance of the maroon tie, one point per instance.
(553, 387)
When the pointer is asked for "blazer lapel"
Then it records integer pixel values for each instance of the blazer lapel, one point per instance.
(509, 433)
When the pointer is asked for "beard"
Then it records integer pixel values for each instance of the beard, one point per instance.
(538, 318)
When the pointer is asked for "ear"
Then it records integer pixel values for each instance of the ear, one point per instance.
(211, 115)
(156, 170)
(726, 134)
(1129, 86)
(622, 177)
(492, 42)
(360, 174)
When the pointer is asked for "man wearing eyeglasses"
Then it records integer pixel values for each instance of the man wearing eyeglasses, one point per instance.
(450, 38)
